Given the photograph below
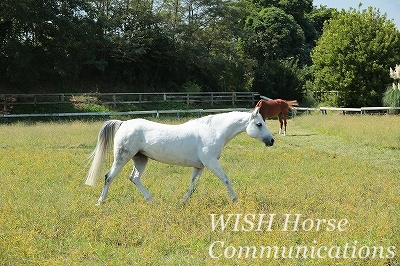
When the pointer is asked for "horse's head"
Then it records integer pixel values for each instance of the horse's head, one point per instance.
(256, 128)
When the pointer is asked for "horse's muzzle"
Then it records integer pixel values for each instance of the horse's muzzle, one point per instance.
(269, 142)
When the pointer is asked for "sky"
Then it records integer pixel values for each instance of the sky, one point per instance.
(390, 7)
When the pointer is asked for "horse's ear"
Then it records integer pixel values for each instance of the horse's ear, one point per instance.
(255, 112)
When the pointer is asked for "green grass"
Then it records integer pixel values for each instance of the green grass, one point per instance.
(328, 167)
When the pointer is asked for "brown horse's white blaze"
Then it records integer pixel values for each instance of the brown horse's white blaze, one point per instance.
(277, 107)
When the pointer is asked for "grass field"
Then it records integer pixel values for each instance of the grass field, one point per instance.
(337, 168)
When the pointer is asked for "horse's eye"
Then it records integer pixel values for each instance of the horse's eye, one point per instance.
(259, 124)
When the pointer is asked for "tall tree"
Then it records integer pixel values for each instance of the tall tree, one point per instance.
(354, 54)
(273, 34)
(160, 45)
(276, 41)
(46, 40)
(319, 15)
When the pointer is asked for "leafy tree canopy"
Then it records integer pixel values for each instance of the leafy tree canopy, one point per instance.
(273, 35)
(354, 54)
(157, 45)
(276, 42)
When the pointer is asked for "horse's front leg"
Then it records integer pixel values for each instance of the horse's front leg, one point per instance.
(216, 168)
(193, 182)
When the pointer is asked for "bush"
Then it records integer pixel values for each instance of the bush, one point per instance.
(391, 97)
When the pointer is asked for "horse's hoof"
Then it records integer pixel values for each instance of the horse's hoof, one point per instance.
(234, 200)
(99, 202)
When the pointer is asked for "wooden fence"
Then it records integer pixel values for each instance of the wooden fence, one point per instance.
(361, 110)
(154, 113)
(213, 99)
(233, 99)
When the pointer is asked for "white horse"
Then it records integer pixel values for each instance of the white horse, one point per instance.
(197, 143)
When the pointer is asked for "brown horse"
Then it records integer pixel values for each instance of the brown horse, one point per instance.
(271, 108)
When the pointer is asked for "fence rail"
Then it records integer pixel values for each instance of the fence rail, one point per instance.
(199, 112)
(155, 113)
(114, 99)
(361, 110)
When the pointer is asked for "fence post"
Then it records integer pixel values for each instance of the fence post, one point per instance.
(114, 100)
(5, 104)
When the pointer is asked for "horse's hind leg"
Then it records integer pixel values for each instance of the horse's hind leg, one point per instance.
(284, 116)
(193, 182)
(121, 157)
(280, 122)
(114, 170)
(140, 162)
(285, 124)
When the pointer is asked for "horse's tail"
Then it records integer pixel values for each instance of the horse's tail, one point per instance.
(292, 103)
(104, 143)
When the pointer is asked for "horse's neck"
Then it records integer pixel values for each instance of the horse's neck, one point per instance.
(230, 125)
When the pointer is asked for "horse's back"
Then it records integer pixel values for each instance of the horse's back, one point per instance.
(269, 108)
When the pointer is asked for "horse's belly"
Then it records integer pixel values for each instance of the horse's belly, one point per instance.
(171, 155)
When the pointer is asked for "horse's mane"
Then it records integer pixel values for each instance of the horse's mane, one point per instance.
(209, 119)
